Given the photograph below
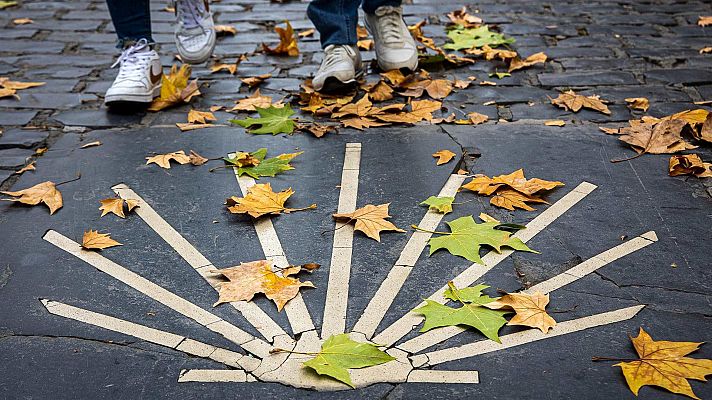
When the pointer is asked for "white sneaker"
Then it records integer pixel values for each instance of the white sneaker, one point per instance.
(340, 68)
(139, 79)
(195, 33)
(395, 47)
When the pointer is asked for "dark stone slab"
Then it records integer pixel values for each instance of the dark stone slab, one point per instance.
(589, 41)
(664, 109)
(17, 33)
(618, 94)
(679, 75)
(101, 118)
(602, 78)
(28, 46)
(508, 95)
(20, 138)
(47, 100)
(5, 174)
(589, 64)
(14, 158)
(550, 111)
(8, 117)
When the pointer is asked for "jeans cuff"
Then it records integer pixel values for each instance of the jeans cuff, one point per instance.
(123, 43)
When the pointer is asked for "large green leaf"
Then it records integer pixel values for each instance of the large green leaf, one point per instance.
(471, 294)
(272, 120)
(267, 167)
(439, 204)
(339, 353)
(469, 38)
(470, 314)
(467, 236)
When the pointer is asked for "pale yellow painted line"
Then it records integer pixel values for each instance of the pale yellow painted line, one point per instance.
(212, 375)
(156, 336)
(160, 294)
(523, 337)
(439, 335)
(437, 376)
(252, 313)
(406, 323)
(299, 318)
(337, 292)
(392, 285)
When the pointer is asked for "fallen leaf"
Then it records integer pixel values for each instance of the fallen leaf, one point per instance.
(231, 68)
(339, 353)
(511, 199)
(706, 50)
(164, 160)
(439, 204)
(40, 151)
(638, 103)
(515, 180)
(8, 84)
(466, 236)
(439, 88)
(574, 102)
(28, 167)
(176, 88)
(443, 156)
(365, 44)
(488, 218)
(417, 32)
(463, 18)
(554, 122)
(530, 310)
(424, 109)
(468, 38)
(370, 220)
(705, 132)
(473, 118)
(4, 92)
(488, 83)
(6, 4)
(216, 108)
(500, 75)
(661, 138)
(380, 92)
(113, 205)
(196, 159)
(518, 63)
(22, 21)
(200, 116)
(95, 240)
(316, 129)
(689, 164)
(255, 165)
(253, 81)
(91, 144)
(306, 33)
(663, 363)
(704, 20)
(261, 200)
(185, 127)
(272, 120)
(697, 116)
(221, 30)
(360, 108)
(394, 76)
(248, 279)
(361, 123)
(491, 54)
(256, 99)
(470, 314)
(461, 83)
(45, 192)
(287, 42)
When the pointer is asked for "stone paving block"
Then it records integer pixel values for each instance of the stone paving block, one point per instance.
(587, 78)
(550, 111)
(555, 53)
(30, 46)
(537, 29)
(5, 174)
(14, 158)
(21, 138)
(662, 53)
(53, 86)
(16, 117)
(679, 75)
(48, 100)
(589, 41)
(97, 118)
(705, 91)
(623, 30)
(664, 109)
(618, 94)
(18, 33)
(509, 95)
(7, 69)
(589, 64)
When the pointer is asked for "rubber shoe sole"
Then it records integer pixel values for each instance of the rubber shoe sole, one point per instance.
(200, 57)
(120, 98)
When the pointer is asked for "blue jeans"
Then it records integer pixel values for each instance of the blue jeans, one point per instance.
(132, 20)
(336, 20)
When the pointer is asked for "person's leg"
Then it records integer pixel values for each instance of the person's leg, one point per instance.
(395, 47)
(195, 32)
(370, 6)
(336, 21)
(132, 20)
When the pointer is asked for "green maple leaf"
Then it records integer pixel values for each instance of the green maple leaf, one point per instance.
(471, 294)
(467, 236)
(471, 314)
(439, 204)
(469, 38)
(272, 120)
(339, 353)
(267, 167)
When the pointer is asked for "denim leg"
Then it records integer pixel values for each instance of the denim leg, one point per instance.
(335, 20)
(370, 6)
(132, 20)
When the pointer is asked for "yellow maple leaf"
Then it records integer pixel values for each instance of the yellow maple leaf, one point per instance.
(704, 20)
(255, 80)
(256, 99)
(370, 220)
(261, 200)
(115, 205)
(569, 100)
(95, 240)
(530, 309)
(511, 199)
(200, 116)
(689, 164)
(176, 88)
(638, 103)
(8, 84)
(663, 363)
(164, 160)
(518, 63)
(516, 180)
(443, 156)
(287, 42)
(45, 192)
(248, 279)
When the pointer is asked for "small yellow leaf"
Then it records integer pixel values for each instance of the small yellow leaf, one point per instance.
(255, 80)
(22, 21)
(571, 101)
(705, 20)
(95, 240)
(554, 122)
(261, 200)
(518, 63)
(200, 116)
(164, 160)
(225, 30)
(91, 144)
(28, 167)
(638, 103)
(370, 220)
(530, 309)
(443, 156)
(287, 42)
(306, 33)
(197, 159)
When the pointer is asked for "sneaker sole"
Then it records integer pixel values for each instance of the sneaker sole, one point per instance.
(198, 58)
(132, 97)
(334, 85)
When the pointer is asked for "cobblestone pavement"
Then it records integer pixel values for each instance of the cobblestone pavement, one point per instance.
(615, 49)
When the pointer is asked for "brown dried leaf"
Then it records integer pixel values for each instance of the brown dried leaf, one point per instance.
(197, 159)
(28, 167)
(221, 30)
(365, 44)
(306, 33)
(200, 116)
(45, 192)
(287, 42)
(530, 310)
(661, 138)
(185, 127)
(511, 199)
(370, 220)
(256, 99)
(8, 84)
(638, 103)
(439, 88)
(488, 83)
(164, 160)
(556, 122)
(518, 63)
(95, 240)
(516, 180)
(261, 200)
(115, 205)
(395, 77)
(463, 18)
(22, 21)
(443, 156)
(689, 164)
(473, 118)
(381, 92)
(175, 88)
(574, 102)
(704, 20)
(255, 80)
(360, 123)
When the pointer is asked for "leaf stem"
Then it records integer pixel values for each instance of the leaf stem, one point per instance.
(311, 207)
(416, 227)
(612, 359)
(79, 176)
(278, 350)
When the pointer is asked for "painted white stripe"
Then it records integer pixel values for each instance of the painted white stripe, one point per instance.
(252, 313)
(436, 376)
(337, 292)
(159, 337)
(163, 296)
(299, 318)
(406, 323)
(392, 285)
(439, 335)
(523, 337)
(212, 375)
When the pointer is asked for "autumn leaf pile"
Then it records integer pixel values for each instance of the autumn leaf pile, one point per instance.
(511, 191)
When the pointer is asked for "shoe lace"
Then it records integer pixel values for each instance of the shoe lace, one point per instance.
(389, 23)
(132, 59)
(190, 13)
(334, 54)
